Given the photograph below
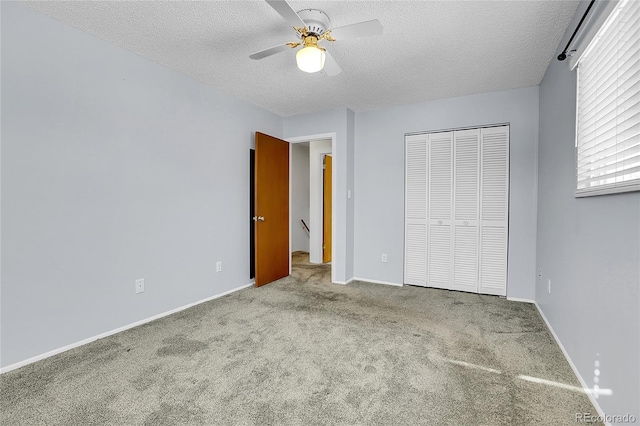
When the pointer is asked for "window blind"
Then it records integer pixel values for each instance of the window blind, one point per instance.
(608, 113)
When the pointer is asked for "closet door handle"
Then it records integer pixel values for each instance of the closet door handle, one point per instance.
(465, 223)
(439, 222)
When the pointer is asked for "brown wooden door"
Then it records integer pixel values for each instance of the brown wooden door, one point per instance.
(326, 209)
(271, 208)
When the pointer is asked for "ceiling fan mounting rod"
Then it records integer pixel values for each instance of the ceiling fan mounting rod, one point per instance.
(312, 41)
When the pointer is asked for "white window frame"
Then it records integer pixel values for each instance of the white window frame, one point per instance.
(594, 34)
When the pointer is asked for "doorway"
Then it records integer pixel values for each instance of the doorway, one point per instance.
(300, 231)
(303, 189)
(319, 146)
(317, 149)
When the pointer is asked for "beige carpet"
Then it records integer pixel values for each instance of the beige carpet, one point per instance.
(303, 351)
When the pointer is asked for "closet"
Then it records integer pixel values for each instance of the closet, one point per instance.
(456, 210)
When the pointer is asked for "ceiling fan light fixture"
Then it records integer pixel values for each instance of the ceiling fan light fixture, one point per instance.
(310, 59)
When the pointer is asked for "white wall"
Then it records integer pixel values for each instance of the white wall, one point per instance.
(113, 168)
(379, 178)
(590, 250)
(299, 196)
(333, 121)
(350, 225)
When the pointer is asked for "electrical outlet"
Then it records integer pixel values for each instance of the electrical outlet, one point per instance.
(539, 274)
(140, 286)
(549, 285)
(384, 257)
(219, 266)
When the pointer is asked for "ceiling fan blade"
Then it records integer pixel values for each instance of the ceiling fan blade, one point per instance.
(361, 29)
(287, 12)
(270, 51)
(331, 67)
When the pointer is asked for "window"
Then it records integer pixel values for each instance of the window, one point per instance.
(608, 113)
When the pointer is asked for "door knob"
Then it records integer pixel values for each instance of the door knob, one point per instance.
(465, 222)
(439, 222)
(261, 218)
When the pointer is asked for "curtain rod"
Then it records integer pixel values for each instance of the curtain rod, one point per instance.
(563, 55)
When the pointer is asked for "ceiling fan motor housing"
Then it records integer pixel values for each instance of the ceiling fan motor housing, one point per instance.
(316, 20)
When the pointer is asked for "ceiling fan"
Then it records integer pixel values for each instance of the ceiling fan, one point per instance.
(313, 26)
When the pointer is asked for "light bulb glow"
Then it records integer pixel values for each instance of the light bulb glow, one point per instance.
(310, 59)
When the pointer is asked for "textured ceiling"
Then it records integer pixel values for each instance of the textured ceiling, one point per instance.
(429, 49)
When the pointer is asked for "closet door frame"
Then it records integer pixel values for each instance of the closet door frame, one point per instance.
(496, 284)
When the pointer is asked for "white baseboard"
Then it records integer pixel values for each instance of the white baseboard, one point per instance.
(573, 366)
(519, 299)
(376, 281)
(112, 332)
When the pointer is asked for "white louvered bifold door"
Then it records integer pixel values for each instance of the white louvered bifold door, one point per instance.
(494, 207)
(456, 210)
(415, 221)
(466, 182)
(440, 185)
